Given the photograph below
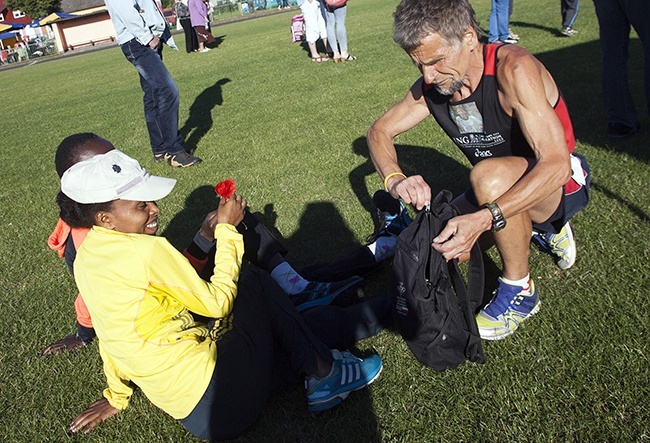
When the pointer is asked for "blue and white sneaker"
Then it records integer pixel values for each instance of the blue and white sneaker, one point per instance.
(320, 294)
(392, 214)
(349, 373)
(561, 245)
(510, 305)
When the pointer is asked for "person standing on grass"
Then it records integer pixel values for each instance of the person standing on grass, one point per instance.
(141, 31)
(314, 28)
(525, 177)
(201, 22)
(569, 10)
(499, 22)
(337, 34)
(183, 16)
(615, 17)
(140, 291)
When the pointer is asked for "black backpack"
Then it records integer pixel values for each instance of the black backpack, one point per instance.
(434, 309)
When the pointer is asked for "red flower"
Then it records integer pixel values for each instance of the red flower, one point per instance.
(226, 188)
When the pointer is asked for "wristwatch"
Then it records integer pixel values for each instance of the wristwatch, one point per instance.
(498, 222)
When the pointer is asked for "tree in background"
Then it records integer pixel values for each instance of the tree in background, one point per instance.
(34, 8)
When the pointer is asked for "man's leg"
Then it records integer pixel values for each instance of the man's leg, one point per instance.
(161, 98)
(638, 13)
(614, 41)
(515, 298)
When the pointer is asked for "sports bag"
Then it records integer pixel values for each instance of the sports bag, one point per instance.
(434, 309)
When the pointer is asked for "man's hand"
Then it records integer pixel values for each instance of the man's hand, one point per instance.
(91, 417)
(231, 210)
(154, 43)
(412, 190)
(69, 343)
(460, 234)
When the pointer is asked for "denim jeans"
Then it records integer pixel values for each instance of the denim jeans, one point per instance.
(335, 23)
(161, 99)
(499, 20)
(615, 18)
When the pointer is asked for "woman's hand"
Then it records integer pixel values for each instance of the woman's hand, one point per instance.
(231, 210)
(207, 227)
(91, 417)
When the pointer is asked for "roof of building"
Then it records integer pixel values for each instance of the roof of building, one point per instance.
(79, 5)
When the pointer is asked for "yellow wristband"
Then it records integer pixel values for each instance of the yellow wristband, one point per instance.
(389, 176)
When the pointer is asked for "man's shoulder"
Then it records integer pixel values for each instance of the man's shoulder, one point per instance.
(515, 64)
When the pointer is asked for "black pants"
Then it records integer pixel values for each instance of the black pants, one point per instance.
(268, 348)
(191, 41)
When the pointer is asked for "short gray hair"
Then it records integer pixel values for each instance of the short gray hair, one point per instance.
(415, 19)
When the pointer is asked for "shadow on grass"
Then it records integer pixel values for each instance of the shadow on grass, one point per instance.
(199, 122)
(577, 71)
(218, 40)
(320, 221)
(553, 31)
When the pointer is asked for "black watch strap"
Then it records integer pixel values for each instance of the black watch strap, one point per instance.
(498, 221)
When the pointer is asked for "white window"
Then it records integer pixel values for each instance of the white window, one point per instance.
(2, 17)
(18, 14)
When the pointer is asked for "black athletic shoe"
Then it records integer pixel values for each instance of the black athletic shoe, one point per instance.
(621, 130)
(183, 160)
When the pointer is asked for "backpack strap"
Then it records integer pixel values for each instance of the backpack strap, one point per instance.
(469, 298)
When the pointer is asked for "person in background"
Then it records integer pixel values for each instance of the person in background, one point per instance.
(141, 31)
(499, 22)
(615, 17)
(314, 28)
(201, 22)
(569, 10)
(183, 16)
(337, 34)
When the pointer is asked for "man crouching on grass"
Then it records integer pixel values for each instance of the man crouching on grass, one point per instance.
(525, 177)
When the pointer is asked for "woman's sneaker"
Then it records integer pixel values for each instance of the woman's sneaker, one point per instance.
(561, 245)
(349, 373)
(510, 305)
(324, 293)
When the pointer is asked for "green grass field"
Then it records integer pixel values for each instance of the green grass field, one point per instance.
(292, 134)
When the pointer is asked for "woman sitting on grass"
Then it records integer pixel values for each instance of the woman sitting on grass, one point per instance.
(140, 290)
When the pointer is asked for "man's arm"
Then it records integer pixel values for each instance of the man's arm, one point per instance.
(528, 91)
(125, 16)
(400, 118)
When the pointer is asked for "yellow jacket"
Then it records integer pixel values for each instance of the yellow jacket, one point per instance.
(139, 290)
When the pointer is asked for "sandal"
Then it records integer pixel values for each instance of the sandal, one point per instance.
(337, 59)
(349, 58)
(319, 59)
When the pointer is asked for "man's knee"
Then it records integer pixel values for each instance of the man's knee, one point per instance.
(491, 178)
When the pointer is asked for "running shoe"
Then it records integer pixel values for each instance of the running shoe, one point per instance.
(183, 160)
(392, 214)
(510, 305)
(561, 245)
(320, 294)
(349, 373)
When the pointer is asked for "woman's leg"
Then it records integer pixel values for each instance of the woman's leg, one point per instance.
(264, 321)
(341, 31)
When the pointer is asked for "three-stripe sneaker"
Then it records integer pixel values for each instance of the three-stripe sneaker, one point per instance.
(349, 373)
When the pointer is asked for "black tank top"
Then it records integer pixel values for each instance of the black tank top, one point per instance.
(479, 126)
